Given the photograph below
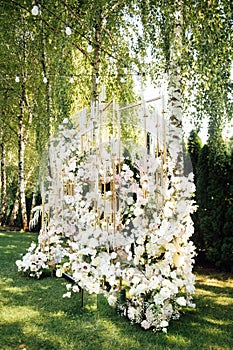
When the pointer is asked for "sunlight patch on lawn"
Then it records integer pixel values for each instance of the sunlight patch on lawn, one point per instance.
(112, 334)
(17, 290)
(203, 292)
(178, 340)
(5, 281)
(213, 327)
(5, 234)
(58, 314)
(217, 322)
(31, 329)
(11, 246)
(224, 301)
(219, 283)
(18, 314)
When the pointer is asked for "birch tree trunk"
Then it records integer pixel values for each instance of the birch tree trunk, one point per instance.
(23, 135)
(21, 155)
(3, 184)
(175, 96)
(96, 59)
(33, 203)
(44, 63)
(15, 210)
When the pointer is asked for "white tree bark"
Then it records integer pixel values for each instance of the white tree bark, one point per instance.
(21, 155)
(175, 142)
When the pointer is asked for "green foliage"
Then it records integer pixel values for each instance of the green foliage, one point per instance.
(37, 47)
(214, 192)
(205, 54)
(215, 214)
(194, 147)
(227, 245)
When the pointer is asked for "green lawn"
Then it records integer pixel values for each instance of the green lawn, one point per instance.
(34, 316)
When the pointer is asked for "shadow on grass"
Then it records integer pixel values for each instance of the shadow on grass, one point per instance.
(14, 338)
(34, 314)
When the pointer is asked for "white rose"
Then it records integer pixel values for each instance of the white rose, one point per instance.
(138, 211)
(75, 289)
(181, 301)
(145, 324)
(112, 300)
(163, 324)
(67, 295)
(113, 255)
(58, 273)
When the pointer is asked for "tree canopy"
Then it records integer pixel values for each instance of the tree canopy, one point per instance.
(56, 55)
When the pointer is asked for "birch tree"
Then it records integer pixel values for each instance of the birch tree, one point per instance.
(175, 95)
(3, 183)
(192, 41)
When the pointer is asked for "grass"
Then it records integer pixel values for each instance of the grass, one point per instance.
(34, 316)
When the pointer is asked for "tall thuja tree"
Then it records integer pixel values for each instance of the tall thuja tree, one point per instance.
(227, 246)
(202, 197)
(217, 191)
(213, 195)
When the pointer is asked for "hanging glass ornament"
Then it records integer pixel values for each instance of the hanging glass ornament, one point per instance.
(35, 10)
(68, 30)
(89, 48)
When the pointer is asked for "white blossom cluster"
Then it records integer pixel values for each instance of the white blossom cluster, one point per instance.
(37, 260)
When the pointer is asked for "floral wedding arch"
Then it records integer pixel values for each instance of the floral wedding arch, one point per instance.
(115, 218)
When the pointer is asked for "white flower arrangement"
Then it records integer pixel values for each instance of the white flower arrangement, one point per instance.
(35, 261)
(129, 241)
